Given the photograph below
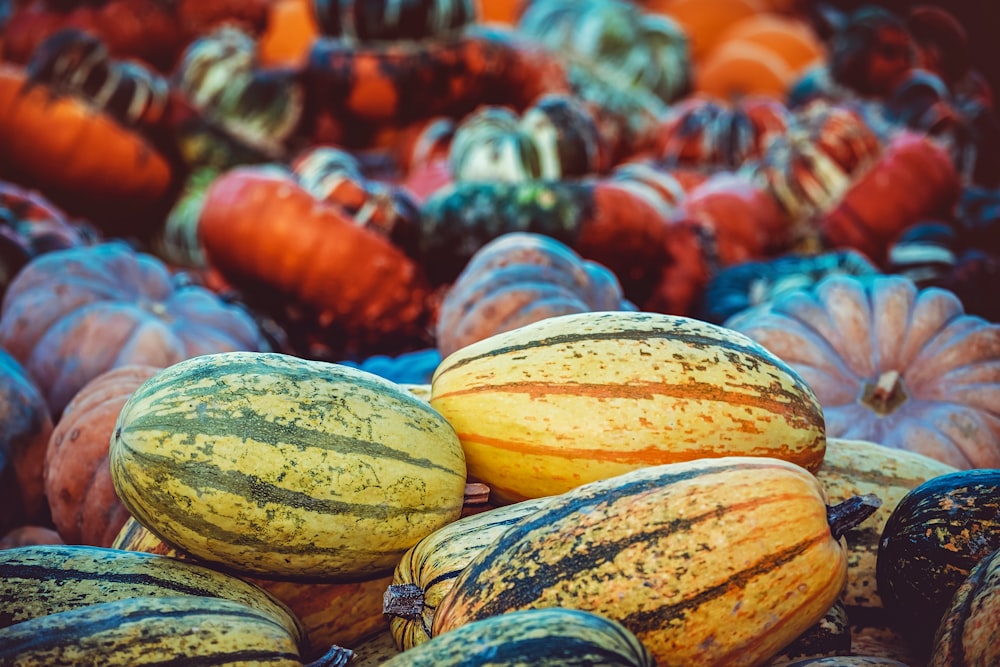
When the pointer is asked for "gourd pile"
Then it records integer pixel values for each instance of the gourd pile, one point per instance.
(569, 332)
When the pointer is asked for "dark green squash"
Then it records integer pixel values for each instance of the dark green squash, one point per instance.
(969, 630)
(936, 535)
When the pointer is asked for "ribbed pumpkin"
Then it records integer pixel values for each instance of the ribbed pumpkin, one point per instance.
(286, 468)
(891, 364)
(517, 279)
(669, 551)
(70, 315)
(25, 427)
(85, 508)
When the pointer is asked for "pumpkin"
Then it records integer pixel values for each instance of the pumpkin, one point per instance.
(747, 284)
(738, 69)
(517, 279)
(969, 628)
(871, 52)
(617, 39)
(891, 364)
(72, 314)
(26, 426)
(704, 21)
(360, 291)
(748, 222)
(709, 132)
(809, 169)
(790, 37)
(80, 159)
(31, 225)
(30, 535)
(387, 21)
(913, 179)
(82, 500)
(937, 534)
(291, 27)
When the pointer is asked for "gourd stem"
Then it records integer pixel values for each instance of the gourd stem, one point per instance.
(848, 514)
(886, 393)
(403, 600)
(337, 656)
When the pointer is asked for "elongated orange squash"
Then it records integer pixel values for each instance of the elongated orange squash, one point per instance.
(710, 562)
(577, 398)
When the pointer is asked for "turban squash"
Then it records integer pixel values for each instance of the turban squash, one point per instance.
(891, 363)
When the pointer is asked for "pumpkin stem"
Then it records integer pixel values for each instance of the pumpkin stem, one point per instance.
(403, 600)
(848, 514)
(337, 656)
(885, 394)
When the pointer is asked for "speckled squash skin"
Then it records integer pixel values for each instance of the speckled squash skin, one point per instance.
(282, 467)
(743, 533)
(551, 637)
(572, 399)
(969, 629)
(938, 532)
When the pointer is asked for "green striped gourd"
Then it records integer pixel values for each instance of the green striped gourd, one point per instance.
(341, 612)
(854, 468)
(284, 467)
(427, 571)
(183, 630)
(709, 562)
(552, 637)
(577, 398)
(48, 579)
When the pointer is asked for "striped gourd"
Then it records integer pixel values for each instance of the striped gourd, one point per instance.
(374, 651)
(709, 562)
(577, 398)
(849, 661)
(856, 467)
(829, 636)
(427, 571)
(969, 633)
(185, 630)
(284, 467)
(47, 579)
(342, 613)
(554, 637)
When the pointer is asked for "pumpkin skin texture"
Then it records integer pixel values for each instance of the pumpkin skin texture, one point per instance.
(936, 535)
(70, 315)
(25, 427)
(891, 364)
(82, 500)
(517, 279)
(969, 629)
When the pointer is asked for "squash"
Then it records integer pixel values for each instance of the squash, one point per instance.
(427, 570)
(913, 179)
(73, 314)
(891, 364)
(938, 532)
(80, 159)
(829, 636)
(517, 279)
(341, 613)
(747, 284)
(750, 533)
(296, 248)
(855, 467)
(286, 468)
(29, 535)
(577, 398)
(969, 628)
(25, 428)
(81, 497)
(544, 637)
